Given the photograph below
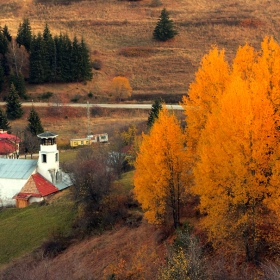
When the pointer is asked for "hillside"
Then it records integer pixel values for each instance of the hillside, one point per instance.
(119, 33)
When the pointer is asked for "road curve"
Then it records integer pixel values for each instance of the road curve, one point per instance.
(84, 105)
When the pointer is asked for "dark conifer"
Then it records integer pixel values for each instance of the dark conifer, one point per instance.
(49, 55)
(4, 123)
(7, 33)
(86, 69)
(37, 60)
(18, 81)
(2, 78)
(5, 65)
(24, 35)
(153, 115)
(3, 43)
(34, 125)
(13, 105)
(164, 29)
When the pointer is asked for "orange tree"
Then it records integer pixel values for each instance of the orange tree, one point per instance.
(161, 175)
(237, 152)
(120, 88)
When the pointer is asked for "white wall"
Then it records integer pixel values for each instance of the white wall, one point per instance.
(8, 189)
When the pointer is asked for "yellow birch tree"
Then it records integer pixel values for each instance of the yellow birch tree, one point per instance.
(161, 177)
(237, 171)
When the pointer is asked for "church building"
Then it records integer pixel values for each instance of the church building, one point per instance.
(24, 181)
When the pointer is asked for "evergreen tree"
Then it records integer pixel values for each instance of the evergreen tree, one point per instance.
(63, 58)
(1, 76)
(13, 105)
(34, 126)
(86, 69)
(49, 54)
(164, 29)
(4, 124)
(153, 115)
(5, 65)
(76, 60)
(37, 60)
(3, 43)
(7, 33)
(24, 35)
(18, 81)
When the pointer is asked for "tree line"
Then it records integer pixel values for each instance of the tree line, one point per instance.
(50, 58)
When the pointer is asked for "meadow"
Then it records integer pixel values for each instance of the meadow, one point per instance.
(119, 34)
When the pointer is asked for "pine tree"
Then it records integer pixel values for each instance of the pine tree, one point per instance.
(86, 69)
(24, 35)
(164, 29)
(7, 33)
(1, 77)
(3, 43)
(34, 126)
(4, 124)
(18, 81)
(13, 106)
(75, 61)
(5, 65)
(153, 115)
(49, 55)
(37, 60)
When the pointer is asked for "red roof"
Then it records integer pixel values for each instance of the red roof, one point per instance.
(44, 187)
(6, 147)
(36, 186)
(12, 137)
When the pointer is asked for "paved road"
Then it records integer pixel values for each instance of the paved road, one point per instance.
(116, 106)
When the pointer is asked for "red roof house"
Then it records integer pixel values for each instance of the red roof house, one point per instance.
(9, 145)
(36, 189)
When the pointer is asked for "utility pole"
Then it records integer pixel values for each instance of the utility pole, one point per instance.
(88, 115)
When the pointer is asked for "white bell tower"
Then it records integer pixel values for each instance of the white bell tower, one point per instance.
(48, 161)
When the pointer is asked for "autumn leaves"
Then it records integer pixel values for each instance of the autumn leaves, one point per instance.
(228, 155)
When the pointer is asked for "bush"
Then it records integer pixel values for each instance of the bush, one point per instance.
(46, 95)
(97, 64)
(76, 98)
(156, 3)
(90, 95)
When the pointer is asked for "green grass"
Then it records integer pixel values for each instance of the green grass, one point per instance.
(68, 155)
(23, 230)
(125, 184)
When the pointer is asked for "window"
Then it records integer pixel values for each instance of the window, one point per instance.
(44, 158)
(56, 157)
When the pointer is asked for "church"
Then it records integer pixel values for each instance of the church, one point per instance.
(25, 181)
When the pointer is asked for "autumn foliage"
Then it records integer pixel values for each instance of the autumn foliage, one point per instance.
(161, 176)
(120, 88)
(234, 137)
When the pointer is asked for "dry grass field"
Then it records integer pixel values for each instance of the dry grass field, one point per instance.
(112, 27)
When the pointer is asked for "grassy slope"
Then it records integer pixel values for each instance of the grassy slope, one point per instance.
(111, 25)
(22, 230)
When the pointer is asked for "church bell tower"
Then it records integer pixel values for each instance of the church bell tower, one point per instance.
(48, 162)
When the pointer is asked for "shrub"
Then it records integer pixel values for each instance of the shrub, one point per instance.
(76, 98)
(46, 95)
(156, 3)
(97, 64)
(120, 88)
(90, 95)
